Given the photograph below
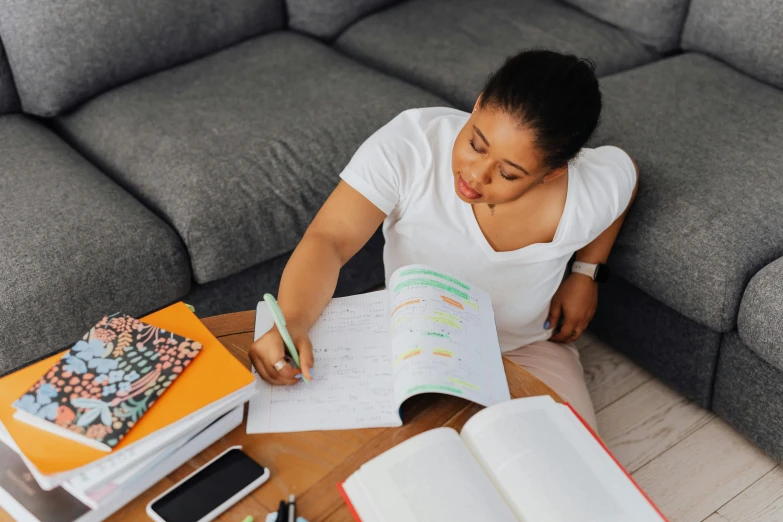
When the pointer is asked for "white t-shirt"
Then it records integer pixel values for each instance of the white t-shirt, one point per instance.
(405, 170)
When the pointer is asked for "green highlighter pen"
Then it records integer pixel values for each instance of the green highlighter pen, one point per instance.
(277, 314)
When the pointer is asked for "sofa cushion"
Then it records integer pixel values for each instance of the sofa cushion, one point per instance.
(62, 53)
(746, 35)
(240, 149)
(707, 212)
(450, 46)
(326, 18)
(9, 101)
(73, 246)
(760, 321)
(657, 23)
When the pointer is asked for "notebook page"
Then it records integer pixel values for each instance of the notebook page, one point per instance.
(550, 470)
(431, 476)
(444, 337)
(352, 384)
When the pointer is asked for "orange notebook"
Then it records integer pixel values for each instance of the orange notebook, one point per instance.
(214, 374)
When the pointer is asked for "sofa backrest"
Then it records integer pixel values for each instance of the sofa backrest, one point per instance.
(655, 23)
(747, 35)
(63, 52)
(9, 101)
(327, 18)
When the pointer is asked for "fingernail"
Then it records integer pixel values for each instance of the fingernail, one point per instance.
(312, 372)
(298, 376)
(546, 324)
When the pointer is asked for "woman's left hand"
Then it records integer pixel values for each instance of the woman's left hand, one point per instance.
(575, 302)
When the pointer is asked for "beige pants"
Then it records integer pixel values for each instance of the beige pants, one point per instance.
(558, 366)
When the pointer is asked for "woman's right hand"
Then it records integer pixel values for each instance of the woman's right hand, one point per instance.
(270, 348)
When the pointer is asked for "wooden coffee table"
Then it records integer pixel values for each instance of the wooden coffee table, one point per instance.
(310, 464)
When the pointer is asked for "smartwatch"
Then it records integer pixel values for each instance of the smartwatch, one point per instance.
(597, 272)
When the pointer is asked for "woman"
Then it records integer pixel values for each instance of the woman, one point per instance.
(502, 197)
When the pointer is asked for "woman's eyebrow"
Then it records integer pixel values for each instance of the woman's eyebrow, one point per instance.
(516, 166)
(505, 160)
(481, 135)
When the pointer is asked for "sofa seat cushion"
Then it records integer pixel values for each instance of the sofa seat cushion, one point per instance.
(760, 321)
(73, 246)
(450, 46)
(707, 215)
(240, 149)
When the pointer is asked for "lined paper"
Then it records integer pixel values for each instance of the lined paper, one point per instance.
(352, 380)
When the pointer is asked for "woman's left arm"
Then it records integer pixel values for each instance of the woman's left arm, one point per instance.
(577, 297)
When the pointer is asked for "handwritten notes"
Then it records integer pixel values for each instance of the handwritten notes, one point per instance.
(352, 373)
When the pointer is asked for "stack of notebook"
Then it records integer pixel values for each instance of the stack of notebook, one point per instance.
(86, 431)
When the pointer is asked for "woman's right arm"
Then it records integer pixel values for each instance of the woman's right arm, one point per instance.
(344, 224)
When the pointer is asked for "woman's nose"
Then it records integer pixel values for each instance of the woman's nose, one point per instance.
(480, 174)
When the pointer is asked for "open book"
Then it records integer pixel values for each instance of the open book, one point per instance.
(526, 460)
(427, 332)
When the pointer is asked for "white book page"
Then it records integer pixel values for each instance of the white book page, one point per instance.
(352, 379)
(548, 468)
(444, 337)
(431, 476)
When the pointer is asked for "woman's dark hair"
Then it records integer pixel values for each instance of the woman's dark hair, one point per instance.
(555, 95)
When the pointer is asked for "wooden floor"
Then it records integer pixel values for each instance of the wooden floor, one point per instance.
(692, 464)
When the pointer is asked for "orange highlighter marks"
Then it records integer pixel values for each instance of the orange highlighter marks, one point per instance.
(406, 303)
(452, 302)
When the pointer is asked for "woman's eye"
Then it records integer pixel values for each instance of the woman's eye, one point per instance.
(510, 178)
(473, 144)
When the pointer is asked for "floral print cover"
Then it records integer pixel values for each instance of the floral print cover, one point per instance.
(109, 379)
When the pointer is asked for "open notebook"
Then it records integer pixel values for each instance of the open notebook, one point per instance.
(428, 332)
(526, 460)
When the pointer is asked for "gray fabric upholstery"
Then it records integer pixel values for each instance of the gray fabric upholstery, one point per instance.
(678, 351)
(241, 291)
(760, 321)
(9, 101)
(707, 214)
(749, 395)
(73, 246)
(657, 23)
(62, 53)
(450, 46)
(240, 149)
(746, 35)
(326, 18)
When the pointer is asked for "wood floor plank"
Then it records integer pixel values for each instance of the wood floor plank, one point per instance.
(715, 517)
(585, 340)
(693, 479)
(761, 502)
(648, 421)
(609, 374)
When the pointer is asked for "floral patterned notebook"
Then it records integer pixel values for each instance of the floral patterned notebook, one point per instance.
(107, 381)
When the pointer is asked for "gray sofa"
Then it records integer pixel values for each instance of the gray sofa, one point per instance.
(158, 151)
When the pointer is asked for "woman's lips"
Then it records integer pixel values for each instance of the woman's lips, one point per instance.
(466, 191)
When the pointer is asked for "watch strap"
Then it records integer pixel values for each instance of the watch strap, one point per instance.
(588, 269)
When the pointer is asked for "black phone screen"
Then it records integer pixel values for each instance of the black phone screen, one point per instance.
(209, 488)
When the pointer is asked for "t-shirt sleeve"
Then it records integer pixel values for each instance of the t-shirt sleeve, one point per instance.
(607, 178)
(383, 167)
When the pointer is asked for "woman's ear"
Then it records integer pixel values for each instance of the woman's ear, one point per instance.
(554, 174)
(478, 102)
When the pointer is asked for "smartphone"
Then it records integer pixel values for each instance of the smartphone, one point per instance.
(210, 490)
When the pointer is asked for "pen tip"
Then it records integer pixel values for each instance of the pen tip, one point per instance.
(291, 498)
